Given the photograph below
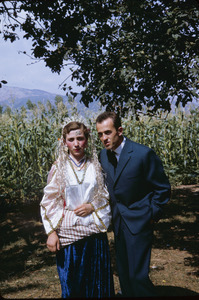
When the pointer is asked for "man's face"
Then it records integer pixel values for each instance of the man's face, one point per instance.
(108, 135)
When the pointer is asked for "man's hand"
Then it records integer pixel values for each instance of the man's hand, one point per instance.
(84, 210)
(53, 242)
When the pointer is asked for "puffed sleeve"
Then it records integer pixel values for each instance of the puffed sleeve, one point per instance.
(52, 204)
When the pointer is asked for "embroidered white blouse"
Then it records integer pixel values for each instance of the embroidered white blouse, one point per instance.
(57, 211)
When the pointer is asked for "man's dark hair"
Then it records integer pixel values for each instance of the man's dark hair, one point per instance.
(112, 115)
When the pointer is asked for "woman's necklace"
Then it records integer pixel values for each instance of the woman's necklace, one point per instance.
(85, 168)
(80, 165)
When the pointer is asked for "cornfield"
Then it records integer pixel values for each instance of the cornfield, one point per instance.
(175, 139)
(29, 139)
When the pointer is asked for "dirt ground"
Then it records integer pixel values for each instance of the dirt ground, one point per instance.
(28, 269)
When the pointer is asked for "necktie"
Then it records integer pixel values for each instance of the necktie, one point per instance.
(113, 159)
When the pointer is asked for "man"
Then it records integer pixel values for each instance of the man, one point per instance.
(138, 190)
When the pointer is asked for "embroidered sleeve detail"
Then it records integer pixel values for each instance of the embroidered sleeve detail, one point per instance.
(102, 207)
(101, 228)
(52, 204)
(49, 221)
(92, 205)
(101, 214)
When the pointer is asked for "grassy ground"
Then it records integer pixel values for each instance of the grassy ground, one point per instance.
(28, 269)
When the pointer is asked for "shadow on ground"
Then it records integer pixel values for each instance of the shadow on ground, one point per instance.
(23, 240)
(173, 291)
(180, 225)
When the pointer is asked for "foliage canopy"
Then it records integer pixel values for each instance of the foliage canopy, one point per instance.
(126, 53)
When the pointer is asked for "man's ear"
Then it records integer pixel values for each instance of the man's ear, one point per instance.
(120, 131)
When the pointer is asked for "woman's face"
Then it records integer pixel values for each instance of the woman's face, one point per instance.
(76, 143)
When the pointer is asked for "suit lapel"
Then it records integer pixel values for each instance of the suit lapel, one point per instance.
(107, 165)
(125, 156)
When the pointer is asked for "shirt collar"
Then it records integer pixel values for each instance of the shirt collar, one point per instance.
(118, 150)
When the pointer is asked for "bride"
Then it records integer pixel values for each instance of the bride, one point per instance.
(76, 214)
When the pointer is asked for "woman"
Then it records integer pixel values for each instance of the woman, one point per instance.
(76, 215)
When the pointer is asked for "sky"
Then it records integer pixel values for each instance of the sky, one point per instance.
(19, 71)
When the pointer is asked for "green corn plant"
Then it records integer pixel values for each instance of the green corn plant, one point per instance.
(29, 140)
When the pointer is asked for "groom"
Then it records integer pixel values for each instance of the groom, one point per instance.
(138, 189)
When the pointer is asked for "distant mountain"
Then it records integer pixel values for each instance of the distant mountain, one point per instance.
(16, 97)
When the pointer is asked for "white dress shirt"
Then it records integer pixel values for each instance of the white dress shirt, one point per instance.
(118, 150)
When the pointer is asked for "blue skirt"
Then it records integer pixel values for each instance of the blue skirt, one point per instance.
(84, 268)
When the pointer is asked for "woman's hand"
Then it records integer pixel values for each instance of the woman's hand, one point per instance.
(53, 242)
(84, 210)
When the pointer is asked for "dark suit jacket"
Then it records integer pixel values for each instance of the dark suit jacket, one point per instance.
(139, 189)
